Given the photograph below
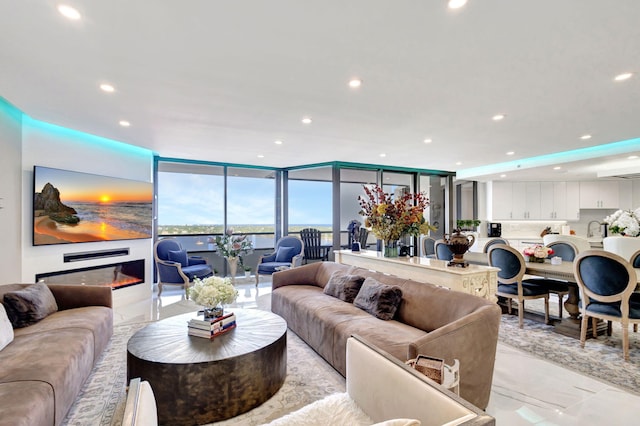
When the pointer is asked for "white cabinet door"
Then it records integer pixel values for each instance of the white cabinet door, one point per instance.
(573, 201)
(599, 195)
(501, 200)
(526, 200)
(553, 200)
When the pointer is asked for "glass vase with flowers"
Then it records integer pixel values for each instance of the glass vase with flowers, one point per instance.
(537, 253)
(390, 219)
(213, 293)
(231, 247)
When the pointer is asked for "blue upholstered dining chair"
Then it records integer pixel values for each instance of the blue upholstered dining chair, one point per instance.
(492, 241)
(568, 252)
(511, 284)
(176, 267)
(606, 282)
(442, 250)
(428, 247)
(287, 254)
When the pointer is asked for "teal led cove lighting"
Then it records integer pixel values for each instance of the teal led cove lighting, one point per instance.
(588, 153)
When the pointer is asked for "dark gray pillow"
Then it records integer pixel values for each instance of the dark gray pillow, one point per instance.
(29, 305)
(344, 287)
(380, 300)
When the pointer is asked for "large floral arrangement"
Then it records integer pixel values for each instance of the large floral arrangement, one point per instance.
(213, 291)
(538, 251)
(230, 245)
(624, 222)
(391, 219)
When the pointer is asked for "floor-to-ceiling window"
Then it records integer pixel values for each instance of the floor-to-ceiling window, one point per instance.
(309, 195)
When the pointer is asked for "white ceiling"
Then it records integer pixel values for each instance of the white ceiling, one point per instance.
(222, 80)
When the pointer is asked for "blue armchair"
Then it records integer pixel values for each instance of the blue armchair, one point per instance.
(288, 253)
(176, 267)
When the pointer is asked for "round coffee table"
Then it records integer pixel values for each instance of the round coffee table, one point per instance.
(197, 380)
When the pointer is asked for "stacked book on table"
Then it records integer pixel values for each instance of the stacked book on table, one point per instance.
(209, 328)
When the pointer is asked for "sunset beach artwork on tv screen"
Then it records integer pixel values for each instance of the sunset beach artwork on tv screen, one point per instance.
(75, 207)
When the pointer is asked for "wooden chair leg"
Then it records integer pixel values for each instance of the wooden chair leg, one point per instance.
(521, 313)
(583, 329)
(609, 328)
(159, 288)
(546, 310)
(625, 342)
(635, 328)
(560, 298)
(257, 278)
(594, 327)
(509, 305)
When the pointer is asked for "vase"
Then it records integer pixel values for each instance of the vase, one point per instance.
(213, 312)
(534, 259)
(390, 248)
(233, 267)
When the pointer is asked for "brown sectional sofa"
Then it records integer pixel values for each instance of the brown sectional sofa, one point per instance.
(43, 369)
(430, 320)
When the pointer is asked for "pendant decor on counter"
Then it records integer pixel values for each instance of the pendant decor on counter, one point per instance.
(459, 243)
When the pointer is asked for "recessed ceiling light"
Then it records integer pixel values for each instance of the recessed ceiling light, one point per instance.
(428, 140)
(557, 168)
(623, 76)
(355, 83)
(69, 12)
(124, 123)
(585, 137)
(459, 163)
(260, 156)
(510, 153)
(383, 155)
(306, 120)
(107, 88)
(503, 176)
(632, 157)
(498, 117)
(456, 4)
(278, 142)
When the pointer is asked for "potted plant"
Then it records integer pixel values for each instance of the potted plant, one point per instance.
(247, 271)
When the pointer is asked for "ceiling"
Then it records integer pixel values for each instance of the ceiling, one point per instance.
(222, 80)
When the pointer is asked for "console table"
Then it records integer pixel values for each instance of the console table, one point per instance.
(475, 279)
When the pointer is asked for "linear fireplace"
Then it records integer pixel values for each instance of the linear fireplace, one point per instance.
(116, 275)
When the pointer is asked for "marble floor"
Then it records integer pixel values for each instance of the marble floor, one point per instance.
(526, 390)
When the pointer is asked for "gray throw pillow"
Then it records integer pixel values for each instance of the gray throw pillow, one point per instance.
(29, 305)
(380, 300)
(344, 287)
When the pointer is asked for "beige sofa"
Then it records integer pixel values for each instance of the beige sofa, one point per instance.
(45, 365)
(430, 320)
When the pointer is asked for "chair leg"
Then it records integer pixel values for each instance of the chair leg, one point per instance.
(625, 342)
(594, 327)
(509, 305)
(583, 330)
(159, 288)
(560, 299)
(520, 313)
(257, 278)
(635, 328)
(609, 327)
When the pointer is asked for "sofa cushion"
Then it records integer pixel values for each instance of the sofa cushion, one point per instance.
(179, 256)
(6, 329)
(380, 300)
(343, 286)
(29, 305)
(285, 254)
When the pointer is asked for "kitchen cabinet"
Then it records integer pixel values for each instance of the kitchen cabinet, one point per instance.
(553, 200)
(572, 208)
(599, 195)
(501, 200)
(515, 200)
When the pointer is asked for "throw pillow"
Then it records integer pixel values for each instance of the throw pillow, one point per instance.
(6, 329)
(285, 254)
(380, 300)
(29, 305)
(344, 287)
(179, 256)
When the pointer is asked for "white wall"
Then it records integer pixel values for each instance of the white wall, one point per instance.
(10, 193)
(52, 146)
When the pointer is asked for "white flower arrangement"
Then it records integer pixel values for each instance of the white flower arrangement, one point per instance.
(213, 291)
(624, 222)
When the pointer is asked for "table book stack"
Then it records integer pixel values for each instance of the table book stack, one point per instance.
(210, 328)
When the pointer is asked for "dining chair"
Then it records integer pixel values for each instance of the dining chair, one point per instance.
(313, 249)
(606, 282)
(635, 297)
(511, 284)
(428, 247)
(568, 252)
(442, 250)
(492, 241)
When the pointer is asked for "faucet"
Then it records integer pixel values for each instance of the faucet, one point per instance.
(589, 232)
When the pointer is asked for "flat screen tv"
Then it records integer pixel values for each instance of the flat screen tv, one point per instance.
(75, 207)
